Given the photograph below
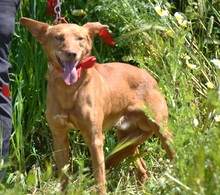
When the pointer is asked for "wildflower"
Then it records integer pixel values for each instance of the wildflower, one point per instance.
(178, 16)
(79, 12)
(217, 118)
(189, 65)
(127, 58)
(183, 23)
(180, 19)
(152, 48)
(185, 57)
(216, 62)
(169, 33)
(161, 12)
(195, 122)
(161, 181)
(50, 7)
(106, 37)
(210, 85)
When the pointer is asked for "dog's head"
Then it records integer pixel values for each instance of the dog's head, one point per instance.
(66, 45)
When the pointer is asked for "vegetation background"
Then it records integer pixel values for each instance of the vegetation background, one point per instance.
(178, 50)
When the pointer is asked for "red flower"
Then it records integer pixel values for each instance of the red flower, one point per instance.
(106, 37)
(50, 7)
(6, 91)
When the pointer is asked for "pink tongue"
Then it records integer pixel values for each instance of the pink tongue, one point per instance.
(70, 73)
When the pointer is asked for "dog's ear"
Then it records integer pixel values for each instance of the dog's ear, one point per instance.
(37, 29)
(94, 28)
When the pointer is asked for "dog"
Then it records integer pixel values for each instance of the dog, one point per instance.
(92, 97)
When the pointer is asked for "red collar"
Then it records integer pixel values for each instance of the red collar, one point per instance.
(85, 64)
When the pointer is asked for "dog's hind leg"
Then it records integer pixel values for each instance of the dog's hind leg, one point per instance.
(141, 168)
(130, 139)
(133, 129)
(127, 143)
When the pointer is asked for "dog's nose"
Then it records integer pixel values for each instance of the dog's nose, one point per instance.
(71, 54)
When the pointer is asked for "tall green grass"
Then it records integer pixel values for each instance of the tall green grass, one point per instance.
(153, 42)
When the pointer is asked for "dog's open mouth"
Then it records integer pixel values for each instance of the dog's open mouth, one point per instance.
(69, 71)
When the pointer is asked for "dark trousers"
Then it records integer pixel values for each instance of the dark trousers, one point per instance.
(8, 9)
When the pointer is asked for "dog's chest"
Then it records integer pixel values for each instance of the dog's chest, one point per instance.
(64, 121)
(67, 100)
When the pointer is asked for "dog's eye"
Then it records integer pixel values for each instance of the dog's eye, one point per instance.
(59, 37)
(80, 38)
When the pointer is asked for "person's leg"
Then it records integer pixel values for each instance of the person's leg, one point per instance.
(8, 9)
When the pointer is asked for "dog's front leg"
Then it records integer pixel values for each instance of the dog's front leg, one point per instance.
(61, 151)
(95, 142)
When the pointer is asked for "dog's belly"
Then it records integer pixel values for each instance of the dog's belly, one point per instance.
(123, 123)
(118, 120)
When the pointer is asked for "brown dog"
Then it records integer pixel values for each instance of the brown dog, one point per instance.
(91, 98)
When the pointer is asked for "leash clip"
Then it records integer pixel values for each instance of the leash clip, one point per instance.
(57, 9)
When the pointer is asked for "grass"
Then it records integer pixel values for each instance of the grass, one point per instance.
(156, 43)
